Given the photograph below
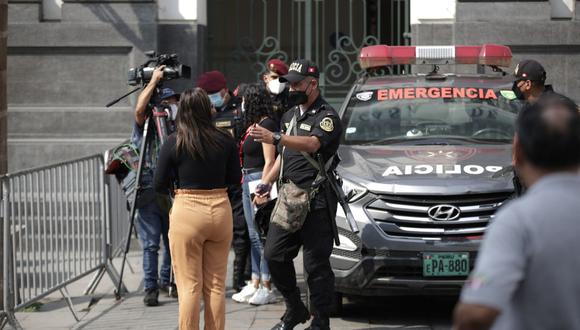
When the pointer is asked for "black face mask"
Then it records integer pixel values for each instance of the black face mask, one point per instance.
(519, 94)
(297, 97)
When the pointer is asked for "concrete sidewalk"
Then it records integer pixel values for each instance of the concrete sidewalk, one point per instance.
(102, 311)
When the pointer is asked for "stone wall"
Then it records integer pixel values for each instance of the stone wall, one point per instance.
(61, 73)
(525, 26)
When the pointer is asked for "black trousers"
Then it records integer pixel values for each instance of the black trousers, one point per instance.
(317, 240)
(240, 241)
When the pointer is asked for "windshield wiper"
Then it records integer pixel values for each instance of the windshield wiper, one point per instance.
(389, 140)
(440, 140)
(485, 141)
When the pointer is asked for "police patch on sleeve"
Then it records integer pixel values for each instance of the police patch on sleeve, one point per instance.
(327, 125)
(510, 95)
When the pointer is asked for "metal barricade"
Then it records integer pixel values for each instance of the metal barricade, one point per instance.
(55, 222)
(118, 214)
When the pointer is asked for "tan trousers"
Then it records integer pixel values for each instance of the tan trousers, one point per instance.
(200, 234)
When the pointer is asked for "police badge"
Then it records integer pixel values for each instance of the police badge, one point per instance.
(327, 125)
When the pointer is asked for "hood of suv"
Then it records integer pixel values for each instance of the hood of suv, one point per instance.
(433, 169)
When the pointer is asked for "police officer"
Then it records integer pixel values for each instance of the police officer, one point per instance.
(227, 105)
(278, 90)
(227, 114)
(311, 128)
(530, 79)
(529, 85)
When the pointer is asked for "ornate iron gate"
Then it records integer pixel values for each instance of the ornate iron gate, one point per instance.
(329, 32)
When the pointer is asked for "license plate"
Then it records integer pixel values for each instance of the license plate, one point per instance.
(446, 264)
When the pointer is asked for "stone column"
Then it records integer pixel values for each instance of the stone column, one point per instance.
(182, 30)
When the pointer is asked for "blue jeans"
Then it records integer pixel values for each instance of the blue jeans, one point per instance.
(259, 265)
(152, 223)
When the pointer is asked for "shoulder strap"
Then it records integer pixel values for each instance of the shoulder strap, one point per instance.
(291, 127)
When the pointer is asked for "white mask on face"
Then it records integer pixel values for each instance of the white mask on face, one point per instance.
(173, 109)
(276, 87)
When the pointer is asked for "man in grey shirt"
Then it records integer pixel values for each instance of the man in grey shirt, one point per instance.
(527, 273)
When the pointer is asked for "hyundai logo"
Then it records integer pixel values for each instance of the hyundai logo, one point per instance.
(443, 212)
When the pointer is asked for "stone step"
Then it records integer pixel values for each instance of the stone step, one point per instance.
(69, 122)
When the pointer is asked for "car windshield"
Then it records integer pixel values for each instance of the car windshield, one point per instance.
(476, 115)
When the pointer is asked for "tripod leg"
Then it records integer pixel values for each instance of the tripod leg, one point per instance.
(118, 292)
(143, 149)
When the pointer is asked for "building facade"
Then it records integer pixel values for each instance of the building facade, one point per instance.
(68, 58)
(547, 31)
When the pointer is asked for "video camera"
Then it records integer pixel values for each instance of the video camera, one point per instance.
(142, 74)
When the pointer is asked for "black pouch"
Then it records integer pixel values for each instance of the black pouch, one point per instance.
(263, 216)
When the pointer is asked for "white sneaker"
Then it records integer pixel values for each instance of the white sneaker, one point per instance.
(263, 296)
(247, 292)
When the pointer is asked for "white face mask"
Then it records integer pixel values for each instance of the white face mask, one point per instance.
(276, 87)
(173, 109)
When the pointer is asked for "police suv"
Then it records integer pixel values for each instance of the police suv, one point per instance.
(425, 165)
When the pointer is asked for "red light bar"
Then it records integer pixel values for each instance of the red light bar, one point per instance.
(488, 54)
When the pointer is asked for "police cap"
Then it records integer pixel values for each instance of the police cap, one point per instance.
(299, 70)
(212, 81)
(278, 67)
(530, 70)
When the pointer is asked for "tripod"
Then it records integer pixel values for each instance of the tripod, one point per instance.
(160, 116)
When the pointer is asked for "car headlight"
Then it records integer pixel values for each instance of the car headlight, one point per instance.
(352, 191)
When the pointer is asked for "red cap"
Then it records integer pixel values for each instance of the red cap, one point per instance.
(278, 66)
(212, 82)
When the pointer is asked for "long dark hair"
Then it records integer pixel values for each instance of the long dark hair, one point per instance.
(196, 133)
(257, 104)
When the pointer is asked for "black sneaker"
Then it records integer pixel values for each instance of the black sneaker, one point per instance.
(151, 297)
(169, 289)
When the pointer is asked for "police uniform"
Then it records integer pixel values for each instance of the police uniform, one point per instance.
(534, 71)
(227, 117)
(316, 235)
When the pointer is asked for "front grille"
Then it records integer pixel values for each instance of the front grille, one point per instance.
(406, 215)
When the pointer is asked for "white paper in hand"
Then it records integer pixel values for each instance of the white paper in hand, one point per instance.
(252, 188)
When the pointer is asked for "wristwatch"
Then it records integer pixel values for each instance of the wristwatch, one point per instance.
(277, 138)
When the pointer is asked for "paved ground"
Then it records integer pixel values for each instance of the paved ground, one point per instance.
(129, 313)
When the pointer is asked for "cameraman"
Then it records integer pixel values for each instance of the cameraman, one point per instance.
(153, 209)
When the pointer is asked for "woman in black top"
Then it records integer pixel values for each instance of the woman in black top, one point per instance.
(200, 161)
(256, 158)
